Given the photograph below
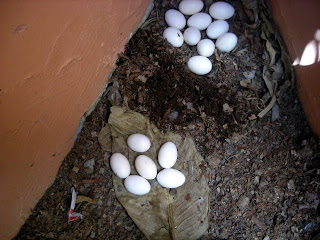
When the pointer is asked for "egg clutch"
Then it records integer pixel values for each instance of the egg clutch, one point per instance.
(146, 167)
(200, 21)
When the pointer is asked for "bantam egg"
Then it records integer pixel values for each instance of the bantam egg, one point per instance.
(199, 65)
(175, 19)
(167, 155)
(190, 7)
(192, 36)
(137, 185)
(120, 165)
(226, 42)
(173, 36)
(146, 167)
(138, 142)
(170, 178)
(200, 20)
(217, 28)
(205, 47)
(221, 10)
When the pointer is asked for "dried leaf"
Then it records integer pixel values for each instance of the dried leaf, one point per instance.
(162, 214)
(283, 89)
(266, 78)
(142, 78)
(263, 35)
(246, 83)
(277, 71)
(249, 74)
(269, 106)
(113, 93)
(275, 112)
(86, 199)
(272, 53)
(218, 58)
(252, 5)
(259, 223)
(235, 65)
(105, 138)
(242, 52)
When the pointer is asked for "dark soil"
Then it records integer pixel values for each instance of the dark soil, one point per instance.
(264, 175)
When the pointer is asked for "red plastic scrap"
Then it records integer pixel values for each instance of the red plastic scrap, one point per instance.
(72, 216)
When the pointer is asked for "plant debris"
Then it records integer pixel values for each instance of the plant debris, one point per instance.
(162, 214)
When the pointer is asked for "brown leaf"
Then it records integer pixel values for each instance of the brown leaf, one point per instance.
(105, 139)
(171, 215)
(113, 93)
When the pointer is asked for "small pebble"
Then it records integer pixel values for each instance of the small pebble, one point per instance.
(256, 180)
(291, 184)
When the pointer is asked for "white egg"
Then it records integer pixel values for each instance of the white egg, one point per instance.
(146, 167)
(173, 36)
(137, 185)
(190, 7)
(221, 10)
(168, 155)
(226, 42)
(170, 178)
(120, 165)
(192, 36)
(138, 142)
(175, 19)
(217, 28)
(199, 65)
(205, 47)
(200, 20)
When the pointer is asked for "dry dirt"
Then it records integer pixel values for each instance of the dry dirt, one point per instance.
(264, 174)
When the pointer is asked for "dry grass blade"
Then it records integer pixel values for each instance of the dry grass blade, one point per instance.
(146, 23)
(86, 199)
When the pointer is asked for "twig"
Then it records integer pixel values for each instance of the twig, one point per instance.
(165, 116)
(93, 180)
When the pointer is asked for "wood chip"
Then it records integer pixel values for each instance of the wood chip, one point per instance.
(259, 223)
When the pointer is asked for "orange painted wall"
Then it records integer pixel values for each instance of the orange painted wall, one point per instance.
(56, 57)
(298, 22)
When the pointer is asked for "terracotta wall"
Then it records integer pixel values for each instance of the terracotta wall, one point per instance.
(299, 23)
(56, 57)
